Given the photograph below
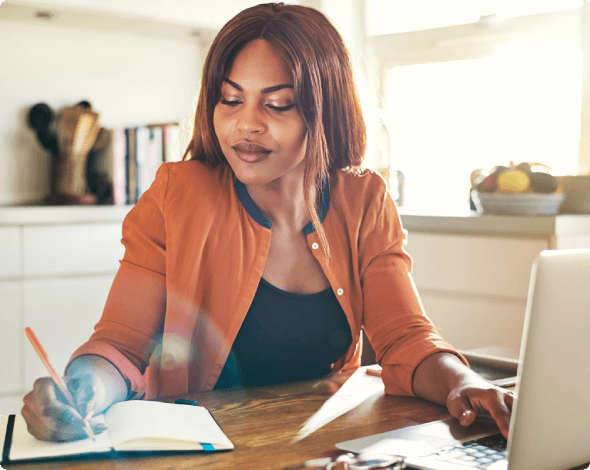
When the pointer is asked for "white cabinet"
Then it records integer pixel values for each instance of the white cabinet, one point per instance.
(10, 256)
(62, 312)
(483, 266)
(473, 272)
(474, 322)
(71, 249)
(56, 268)
(474, 288)
(11, 337)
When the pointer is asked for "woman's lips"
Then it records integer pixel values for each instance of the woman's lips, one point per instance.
(250, 152)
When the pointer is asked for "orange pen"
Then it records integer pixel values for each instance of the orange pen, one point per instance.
(55, 376)
(374, 372)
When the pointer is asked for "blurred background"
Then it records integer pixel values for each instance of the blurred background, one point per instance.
(450, 86)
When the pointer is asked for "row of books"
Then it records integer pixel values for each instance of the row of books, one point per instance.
(135, 155)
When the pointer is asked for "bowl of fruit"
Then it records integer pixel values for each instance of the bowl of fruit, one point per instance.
(523, 189)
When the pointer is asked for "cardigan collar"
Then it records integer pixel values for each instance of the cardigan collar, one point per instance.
(261, 219)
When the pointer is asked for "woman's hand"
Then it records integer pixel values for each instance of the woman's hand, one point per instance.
(475, 397)
(444, 379)
(49, 415)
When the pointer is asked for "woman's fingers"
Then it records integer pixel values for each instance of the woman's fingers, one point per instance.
(35, 426)
(468, 403)
(460, 407)
(495, 405)
(50, 418)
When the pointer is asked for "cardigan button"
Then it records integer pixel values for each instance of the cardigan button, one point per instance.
(340, 292)
(315, 246)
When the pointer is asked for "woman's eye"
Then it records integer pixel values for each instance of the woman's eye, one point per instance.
(230, 103)
(281, 108)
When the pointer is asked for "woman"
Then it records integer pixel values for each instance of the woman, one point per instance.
(259, 258)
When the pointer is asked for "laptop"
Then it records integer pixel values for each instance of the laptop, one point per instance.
(550, 424)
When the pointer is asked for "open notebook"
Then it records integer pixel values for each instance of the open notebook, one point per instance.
(133, 426)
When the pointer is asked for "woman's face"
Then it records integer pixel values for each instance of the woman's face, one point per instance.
(261, 133)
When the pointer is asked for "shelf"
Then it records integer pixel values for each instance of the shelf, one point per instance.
(50, 215)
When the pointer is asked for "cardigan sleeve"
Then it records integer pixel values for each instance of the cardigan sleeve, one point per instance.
(393, 317)
(133, 316)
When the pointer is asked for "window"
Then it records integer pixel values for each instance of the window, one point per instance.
(470, 96)
(449, 118)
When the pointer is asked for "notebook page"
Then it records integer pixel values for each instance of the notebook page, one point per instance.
(150, 425)
(25, 446)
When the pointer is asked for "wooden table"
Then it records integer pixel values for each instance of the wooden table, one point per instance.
(262, 422)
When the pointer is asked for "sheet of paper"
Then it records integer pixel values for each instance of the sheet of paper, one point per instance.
(355, 390)
(25, 446)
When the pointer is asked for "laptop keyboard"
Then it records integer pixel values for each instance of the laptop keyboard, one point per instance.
(480, 453)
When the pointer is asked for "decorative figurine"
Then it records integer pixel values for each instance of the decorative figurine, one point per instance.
(75, 140)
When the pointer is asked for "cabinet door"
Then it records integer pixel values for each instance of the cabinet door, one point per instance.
(62, 313)
(72, 249)
(11, 337)
(10, 252)
(472, 322)
(474, 265)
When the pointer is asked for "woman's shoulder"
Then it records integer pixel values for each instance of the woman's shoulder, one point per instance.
(197, 171)
(194, 176)
(358, 184)
(187, 182)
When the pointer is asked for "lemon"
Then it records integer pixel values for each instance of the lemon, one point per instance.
(513, 181)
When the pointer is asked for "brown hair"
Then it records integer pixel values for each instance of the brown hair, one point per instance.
(325, 93)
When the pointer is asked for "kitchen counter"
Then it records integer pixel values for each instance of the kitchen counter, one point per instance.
(455, 222)
(468, 222)
(471, 223)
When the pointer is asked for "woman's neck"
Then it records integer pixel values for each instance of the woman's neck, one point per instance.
(282, 201)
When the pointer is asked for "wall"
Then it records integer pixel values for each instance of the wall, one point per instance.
(585, 131)
(130, 79)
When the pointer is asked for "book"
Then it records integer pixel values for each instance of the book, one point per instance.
(129, 159)
(118, 170)
(156, 150)
(171, 138)
(135, 427)
(107, 168)
(143, 159)
(131, 165)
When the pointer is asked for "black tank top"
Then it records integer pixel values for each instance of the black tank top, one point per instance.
(286, 337)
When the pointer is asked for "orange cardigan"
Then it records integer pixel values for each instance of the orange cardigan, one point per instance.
(195, 247)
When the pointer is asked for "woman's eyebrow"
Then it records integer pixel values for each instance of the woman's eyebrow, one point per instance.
(264, 91)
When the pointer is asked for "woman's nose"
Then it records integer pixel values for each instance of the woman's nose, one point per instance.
(250, 119)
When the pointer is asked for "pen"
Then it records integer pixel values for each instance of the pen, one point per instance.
(374, 372)
(55, 376)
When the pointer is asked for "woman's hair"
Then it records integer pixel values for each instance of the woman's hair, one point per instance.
(325, 93)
